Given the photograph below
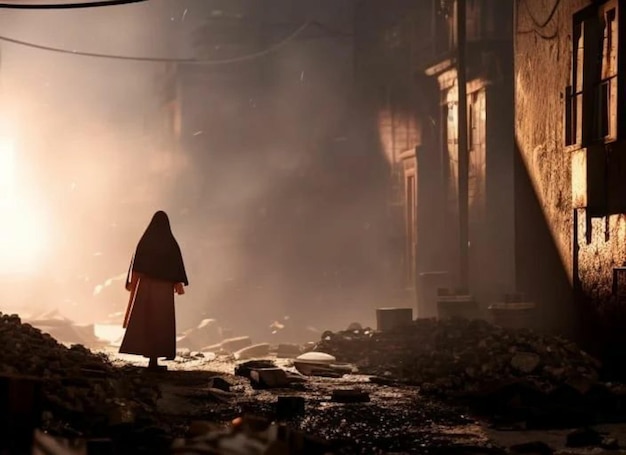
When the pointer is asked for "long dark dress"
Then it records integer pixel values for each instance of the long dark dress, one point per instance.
(156, 268)
(151, 321)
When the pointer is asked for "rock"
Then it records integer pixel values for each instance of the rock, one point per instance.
(475, 360)
(121, 415)
(583, 437)
(201, 427)
(350, 396)
(318, 369)
(609, 444)
(220, 396)
(582, 384)
(268, 378)
(244, 369)
(319, 357)
(525, 362)
(218, 382)
(235, 344)
(382, 381)
(206, 333)
(354, 326)
(250, 352)
(532, 448)
(288, 407)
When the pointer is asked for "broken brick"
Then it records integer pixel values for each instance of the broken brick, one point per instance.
(269, 378)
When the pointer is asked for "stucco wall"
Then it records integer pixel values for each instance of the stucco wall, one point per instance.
(542, 72)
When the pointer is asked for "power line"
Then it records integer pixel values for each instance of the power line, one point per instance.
(69, 5)
(242, 58)
(547, 20)
(537, 25)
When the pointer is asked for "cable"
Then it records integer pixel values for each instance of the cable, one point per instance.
(537, 25)
(548, 19)
(539, 34)
(69, 5)
(241, 58)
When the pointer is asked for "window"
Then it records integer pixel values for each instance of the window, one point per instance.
(591, 99)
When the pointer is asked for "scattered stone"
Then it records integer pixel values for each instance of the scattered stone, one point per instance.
(82, 393)
(269, 378)
(220, 396)
(319, 357)
(382, 381)
(350, 396)
(288, 407)
(354, 326)
(201, 427)
(583, 437)
(609, 444)
(206, 333)
(244, 369)
(525, 362)
(234, 344)
(251, 436)
(254, 351)
(218, 382)
(532, 448)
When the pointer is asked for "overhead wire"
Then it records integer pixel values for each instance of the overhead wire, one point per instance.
(547, 20)
(96, 4)
(238, 59)
(538, 25)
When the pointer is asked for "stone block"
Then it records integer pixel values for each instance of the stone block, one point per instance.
(269, 378)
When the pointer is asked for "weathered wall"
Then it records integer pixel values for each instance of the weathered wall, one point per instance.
(543, 59)
(392, 45)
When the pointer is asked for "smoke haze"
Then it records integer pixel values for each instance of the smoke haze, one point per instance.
(275, 193)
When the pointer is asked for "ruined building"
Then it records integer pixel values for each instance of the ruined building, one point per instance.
(570, 142)
(277, 165)
(406, 62)
(545, 190)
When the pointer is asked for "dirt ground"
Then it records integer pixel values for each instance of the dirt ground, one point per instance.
(396, 420)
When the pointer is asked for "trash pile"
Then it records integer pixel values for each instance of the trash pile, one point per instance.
(81, 393)
(460, 358)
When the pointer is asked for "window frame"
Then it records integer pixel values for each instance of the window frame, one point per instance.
(591, 104)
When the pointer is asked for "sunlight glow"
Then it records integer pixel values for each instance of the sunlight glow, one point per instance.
(22, 230)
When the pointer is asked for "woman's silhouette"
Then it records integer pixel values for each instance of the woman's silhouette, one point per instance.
(156, 272)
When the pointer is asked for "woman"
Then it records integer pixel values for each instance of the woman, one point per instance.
(156, 272)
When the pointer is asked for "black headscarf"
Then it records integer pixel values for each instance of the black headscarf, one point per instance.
(158, 254)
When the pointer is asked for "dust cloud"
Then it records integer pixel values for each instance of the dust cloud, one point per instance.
(275, 189)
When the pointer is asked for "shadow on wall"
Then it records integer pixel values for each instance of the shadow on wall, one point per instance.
(599, 326)
(540, 273)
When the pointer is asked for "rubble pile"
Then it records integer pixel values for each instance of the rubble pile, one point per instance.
(464, 358)
(81, 392)
(248, 436)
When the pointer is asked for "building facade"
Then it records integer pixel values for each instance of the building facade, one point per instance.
(288, 189)
(570, 135)
(406, 57)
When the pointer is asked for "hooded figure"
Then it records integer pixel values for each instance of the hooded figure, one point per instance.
(156, 272)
